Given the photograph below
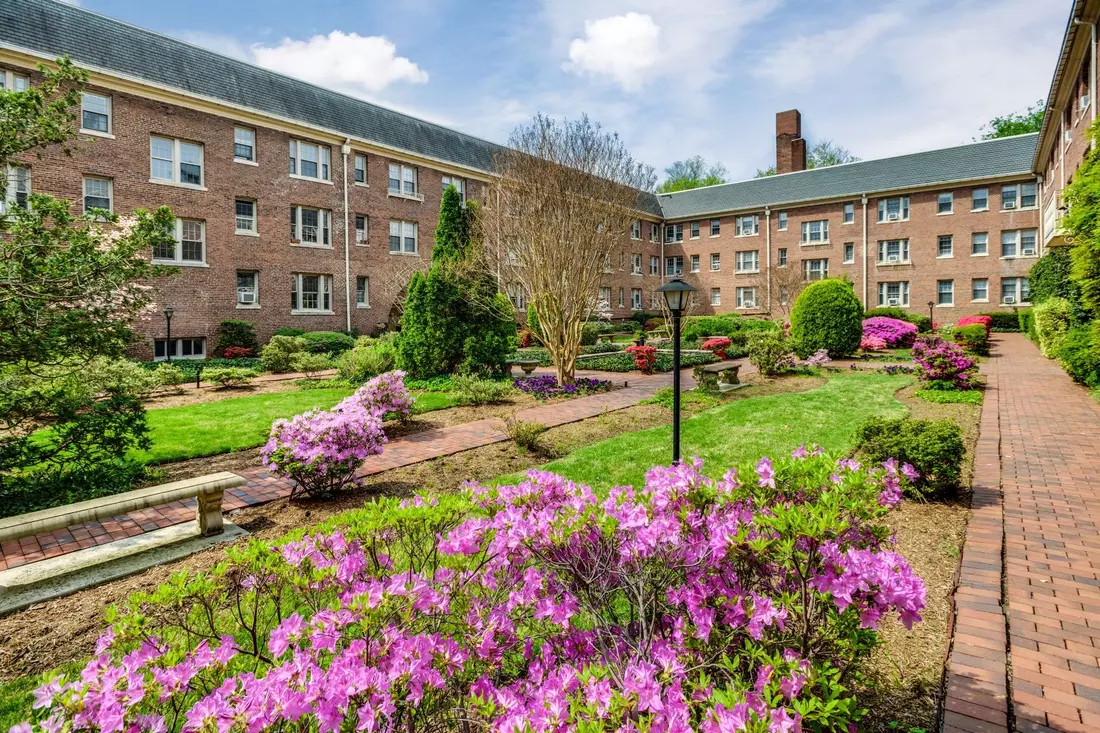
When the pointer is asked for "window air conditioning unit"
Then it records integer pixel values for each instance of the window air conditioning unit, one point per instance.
(893, 258)
(893, 301)
(246, 297)
(892, 217)
(748, 303)
(1010, 205)
(1008, 299)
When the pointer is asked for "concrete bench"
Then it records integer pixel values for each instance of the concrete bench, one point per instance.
(715, 377)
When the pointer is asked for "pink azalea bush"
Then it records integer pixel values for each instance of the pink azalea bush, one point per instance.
(872, 343)
(986, 321)
(896, 333)
(942, 364)
(322, 449)
(717, 346)
(688, 604)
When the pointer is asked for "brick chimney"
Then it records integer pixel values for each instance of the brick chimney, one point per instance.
(790, 148)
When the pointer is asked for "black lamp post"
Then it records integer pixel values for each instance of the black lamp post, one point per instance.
(931, 312)
(168, 340)
(676, 293)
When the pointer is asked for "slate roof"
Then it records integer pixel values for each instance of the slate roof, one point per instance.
(986, 159)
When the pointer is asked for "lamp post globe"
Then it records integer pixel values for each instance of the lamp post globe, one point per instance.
(676, 293)
(931, 311)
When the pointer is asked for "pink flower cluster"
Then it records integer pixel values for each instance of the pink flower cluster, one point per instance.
(986, 321)
(321, 449)
(538, 607)
(896, 333)
(941, 363)
(872, 343)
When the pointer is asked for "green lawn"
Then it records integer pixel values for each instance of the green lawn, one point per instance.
(741, 431)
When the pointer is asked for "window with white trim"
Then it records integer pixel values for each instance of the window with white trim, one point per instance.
(979, 244)
(361, 222)
(849, 253)
(654, 265)
(362, 291)
(622, 297)
(309, 160)
(603, 298)
(945, 203)
(310, 293)
(849, 213)
(403, 237)
(310, 227)
(1015, 291)
(189, 348)
(1021, 196)
(694, 226)
(360, 169)
(636, 264)
(979, 290)
(635, 299)
(18, 189)
(815, 232)
(403, 180)
(95, 113)
(458, 183)
(654, 231)
(607, 267)
(979, 199)
(782, 221)
(245, 216)
(98, 193)
(189, 247)
(13, 82)
(748, 261)
(674, 233)
(636, 229)
(1019, 243)
(715, 227)
(1009, 198)
(244, 144)
(674, 265)
(815, 269)
(945, 246)
(746, 297)
(945, 292)
(893, 209)
(746, 226)
(893, 294)
(782, 256)
(893, 251)
(716, 296)
(175, 161)
(715, 261)
(695, 263)
(517, 295)
(248, 291)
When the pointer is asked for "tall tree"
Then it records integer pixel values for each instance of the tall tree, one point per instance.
(567, 195)
(40, 116)
(1015, 123)
(691, 173)
(822, 154)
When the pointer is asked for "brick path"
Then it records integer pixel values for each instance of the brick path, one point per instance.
(262, 487)
(1026, 652)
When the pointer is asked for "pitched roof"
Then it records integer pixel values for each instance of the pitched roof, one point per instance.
(987, 159)
(90, 39)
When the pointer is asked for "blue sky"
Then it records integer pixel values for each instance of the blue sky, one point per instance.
(674, 77)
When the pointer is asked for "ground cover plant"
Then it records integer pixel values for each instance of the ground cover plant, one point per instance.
(547, 387)
(933, 447)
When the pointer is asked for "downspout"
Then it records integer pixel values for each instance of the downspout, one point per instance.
(1092, 64)
(346, 150)
(864, 202)
(768, 252)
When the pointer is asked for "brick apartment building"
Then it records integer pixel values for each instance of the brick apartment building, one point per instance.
(302, 207)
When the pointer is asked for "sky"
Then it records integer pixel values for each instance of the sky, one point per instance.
(674, 78)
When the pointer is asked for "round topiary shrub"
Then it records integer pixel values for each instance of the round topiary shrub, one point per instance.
(827, 315)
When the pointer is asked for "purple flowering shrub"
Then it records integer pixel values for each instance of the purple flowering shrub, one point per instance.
(942, 364)
(688, 604)
(896, 333)
(322, 449)
(546, 387)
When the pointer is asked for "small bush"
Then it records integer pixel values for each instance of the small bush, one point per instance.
(951, 397)
(590, 333)
(168, 375)
(238, 334)
(984, 321)
(328, 342)
(474, 390)
(769, 352)
(645, 357)
(227, 377)
(1080, 354)
(942, 364)
(238, 352)
(524, 433)
(827, 315)
(717, 346)
(923, 323)
(701, 327)
(973, 338)
(1051, 323)
(1004, 322)
(872, 343)
(933, 447)
(896, 333)
(310, 364)
(366, 362)
(276, 356)
(289, 332)
(653, 324)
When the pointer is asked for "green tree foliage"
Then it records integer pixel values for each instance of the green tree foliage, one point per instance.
(1082, 224)
(827, 315)
(692, 173)
(40, 116)
(822, 154)
(1051, 277)
(1016, 123)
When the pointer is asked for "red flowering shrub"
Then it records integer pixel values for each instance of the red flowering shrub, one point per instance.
(972, 320)
(645, 357)
(526, 338)
(238, 352)
(717, 346)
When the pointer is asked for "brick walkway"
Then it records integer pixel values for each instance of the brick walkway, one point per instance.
(262, 487)
(1026, 652)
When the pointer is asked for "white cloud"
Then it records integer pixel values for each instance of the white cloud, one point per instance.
(623, 47)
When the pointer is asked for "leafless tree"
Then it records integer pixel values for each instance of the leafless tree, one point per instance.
(787, 283)
(567, 193)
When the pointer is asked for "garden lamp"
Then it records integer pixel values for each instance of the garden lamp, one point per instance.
(676, 293)
(168, 311)
(931, 311)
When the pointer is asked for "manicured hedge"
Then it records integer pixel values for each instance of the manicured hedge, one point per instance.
(973, 338)
(190, 367)
(934, 447)
(328, 342)
(1080, 354)
(625, 362)
(1004, 321)
(827, 315)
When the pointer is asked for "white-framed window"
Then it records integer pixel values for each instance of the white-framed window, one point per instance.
(1028, 199)
(244, 144)
(715, 261)
(782, 256)
(517, 295)
(362, 291)
(945, 246)
(308, 160)
(248, 289)
(674, 265)
(635, 299)
(603, 298)
(1021, 196)
(1009, 198)
(945, 203)
(748, 261)
(815, 269)
(310, 227)
(189, 348)
(636, 229)
(458, 183)
(310, 293)
(1019, 243)
(746, 297)
(1015, 291)
(654, 231)
(13, 82)
(979, 199)
(849, 213)
(695, 263)
(98, 193)
(403, 237)
(403, 180)
(716, 296)
(715, 227)
(245, 216)
(893, 251)
(893, 209)
(782, 221)
(849, 252)
(746, 226)
(945, 292)
(636, 264)
(176, 161)
(95, 113)
(979, 244)
(674, 233)
(894, 294)
(18, 189)
(189, 247)
(361, 224)
(815, 232)
(654, 265)
(694, 227)
(360, 172)
(607, 267)
(979, 290)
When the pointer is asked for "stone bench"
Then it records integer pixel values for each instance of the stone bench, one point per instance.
(720, 376)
